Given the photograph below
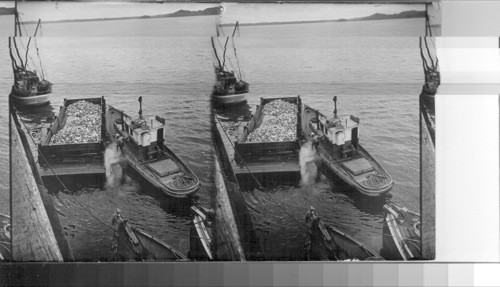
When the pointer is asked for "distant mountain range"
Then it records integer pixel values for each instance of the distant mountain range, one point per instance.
(376, 16)
(380, 16)
(179, 13)
(7, 11)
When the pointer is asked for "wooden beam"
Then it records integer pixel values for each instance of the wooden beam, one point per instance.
(32, 236)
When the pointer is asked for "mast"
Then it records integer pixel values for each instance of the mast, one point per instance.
(15, 19)
(13, 60)
(235, 28)
(17, 52)
(17, 24)
(29, 41)
(215, 52)
(225, 45)
(224, 54)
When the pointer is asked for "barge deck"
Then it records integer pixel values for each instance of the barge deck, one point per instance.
(286, 171)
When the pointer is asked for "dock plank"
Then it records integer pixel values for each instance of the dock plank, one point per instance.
(428, 192)
(32, 236)
(229, 246)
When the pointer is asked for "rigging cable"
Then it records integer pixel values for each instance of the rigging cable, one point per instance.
(69, 192)
(256, 180)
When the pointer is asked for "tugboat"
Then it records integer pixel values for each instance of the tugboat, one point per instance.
(141, 141)
(324, 242)
(5, 238)
(337, 141)
(229, 89)
(28, 88)
(131, 243)
(402, 233)
(201, 233)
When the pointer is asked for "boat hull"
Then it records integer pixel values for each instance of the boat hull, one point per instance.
(141, 167)
(400, 241)
(338, 247)
(358, 182)
(228, 100)
(143, 247)
(37, 100)
(201, 235)
(5, 238)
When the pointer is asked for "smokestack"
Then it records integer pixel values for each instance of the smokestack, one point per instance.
(335, 110)
(140, 107)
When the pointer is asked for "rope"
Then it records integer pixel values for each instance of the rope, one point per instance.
(83, 207)
(62, 184)
(6, 248)
(256, 180)
(408, 239)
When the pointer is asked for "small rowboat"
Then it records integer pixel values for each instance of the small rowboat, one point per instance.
(403, 238)
(133, 244)
(141, 142)
(201, 235)
(324, 242)
(337, 141)
(5, 238)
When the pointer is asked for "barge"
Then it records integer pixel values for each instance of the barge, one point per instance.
(74, 143)
(141, 141)
(337, 141)
(268, 148)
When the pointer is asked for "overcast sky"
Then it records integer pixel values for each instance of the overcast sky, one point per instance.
(51, 11)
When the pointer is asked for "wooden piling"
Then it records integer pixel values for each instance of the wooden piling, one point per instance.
(228, 244)
(428, 187)
(33, 238)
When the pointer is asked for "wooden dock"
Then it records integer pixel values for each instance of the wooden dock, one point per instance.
(33, 238)
(428, 186)
(233, 206)
(228, 244)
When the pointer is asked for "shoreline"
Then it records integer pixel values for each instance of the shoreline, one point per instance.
(309, 22)
(180, 13)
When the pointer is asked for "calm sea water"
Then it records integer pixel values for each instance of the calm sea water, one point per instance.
(375, 79)
(173, 75)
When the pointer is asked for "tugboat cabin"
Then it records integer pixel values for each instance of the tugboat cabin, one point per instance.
(340, 139)
(341, 132)
(147, 133)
